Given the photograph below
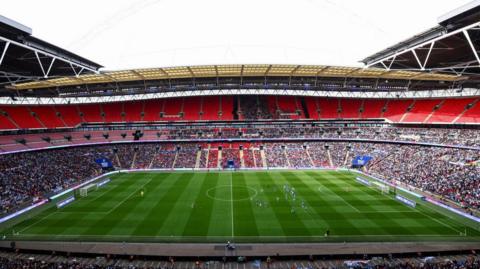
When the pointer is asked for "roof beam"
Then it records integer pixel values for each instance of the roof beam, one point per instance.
(348, 74)
(474, 50)
(190, 71)
(295, 70)
(422, 44)
(164, 72)
(451, 92)
(4, 52)
(321, 71)
(35, 50)
(268, 70)
(135, 72)
(112, 79)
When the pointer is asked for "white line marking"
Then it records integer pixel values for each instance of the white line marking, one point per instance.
(128, 197)
(253, 236)
(418, 211)
(38, 221)
(231, 198)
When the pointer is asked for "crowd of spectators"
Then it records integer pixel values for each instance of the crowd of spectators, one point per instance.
(145, 154)
(186, 156)
(297, 155)
(231, 154)
(213, 158)
(449, 172)
(253, 108)
(165, 156)
(451, 136)
(23, 261)
(275, 155)
(25, 177)
(248, 158)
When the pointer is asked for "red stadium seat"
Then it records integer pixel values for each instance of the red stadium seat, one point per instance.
(191, 108)
(350, 108)
(113, 112)
(152, 109)
(133, 111)
(328, 108)
(471, 115)
(450, 110)
(91, 112)
(48, 116)
(372, 109)
(69, 114)
(226, 107)
(396, 109)
(421, 110)
(22, 116)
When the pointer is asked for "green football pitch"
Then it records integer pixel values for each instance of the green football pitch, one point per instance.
(250, 206)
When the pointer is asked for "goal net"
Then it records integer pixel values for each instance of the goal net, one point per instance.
(385, 189)
(89, 188)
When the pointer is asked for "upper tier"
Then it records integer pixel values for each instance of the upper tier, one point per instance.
(235, 108)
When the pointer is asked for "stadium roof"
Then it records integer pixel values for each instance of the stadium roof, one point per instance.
(451, 47)
(24, 57)
(208, 71)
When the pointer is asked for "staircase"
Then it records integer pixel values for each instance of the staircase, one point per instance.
(219, 160)
(175, 159)
(206, 157)
(433, 111)
(309, 157)
(242, 161)
(197, 161)
(133, 160)
(329, 158)
(465, 110)
(286, 157)
(118, 160)
(346, 158)
(264, 158)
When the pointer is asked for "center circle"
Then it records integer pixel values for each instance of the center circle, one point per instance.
(224, 193)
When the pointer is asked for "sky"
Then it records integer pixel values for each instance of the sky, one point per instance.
(125, 34)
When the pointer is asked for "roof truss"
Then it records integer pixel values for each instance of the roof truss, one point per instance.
(435, 55)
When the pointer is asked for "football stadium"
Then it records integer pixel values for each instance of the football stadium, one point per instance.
(243, 165)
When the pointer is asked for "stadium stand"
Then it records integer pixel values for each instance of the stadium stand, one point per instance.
(328, 108)
(22, 116)
(69, 114)
(152, 109)
(192, 108)
(396, 109)
(91, 113)
(350, 108)
(113, 112)
(449, 110)
(210, 108)
(373, 109)
(133, 111)
(418, 130)
(420, 111)
(11, 260)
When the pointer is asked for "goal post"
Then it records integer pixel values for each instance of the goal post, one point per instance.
(83, 191)
(384, 188)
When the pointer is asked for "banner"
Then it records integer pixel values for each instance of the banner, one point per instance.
(361, 160)
(405, 200)
(65, 202)
(104, 162)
